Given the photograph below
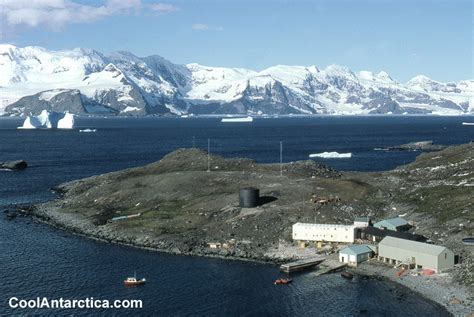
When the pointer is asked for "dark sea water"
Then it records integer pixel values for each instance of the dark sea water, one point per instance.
(36, 260)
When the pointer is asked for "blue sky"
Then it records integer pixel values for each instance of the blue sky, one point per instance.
(404, 38)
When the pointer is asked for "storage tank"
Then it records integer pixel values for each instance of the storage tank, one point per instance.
(248, 197)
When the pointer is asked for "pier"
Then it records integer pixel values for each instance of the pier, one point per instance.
(301, 264)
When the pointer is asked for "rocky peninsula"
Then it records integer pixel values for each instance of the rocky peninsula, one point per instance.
(176, 205)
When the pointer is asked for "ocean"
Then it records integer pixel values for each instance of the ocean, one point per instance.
(37, 260)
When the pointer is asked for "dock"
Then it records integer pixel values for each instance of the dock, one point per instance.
(329, 266)
(302, 264)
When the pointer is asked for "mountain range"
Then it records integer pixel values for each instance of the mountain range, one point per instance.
(87, 82)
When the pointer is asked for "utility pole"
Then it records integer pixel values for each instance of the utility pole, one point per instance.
(208, 154)
(281, 158)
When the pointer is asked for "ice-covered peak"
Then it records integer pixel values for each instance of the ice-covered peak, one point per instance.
(385, 76)
(381, 77)
(420, 79)
(338, 70)
(5, 48)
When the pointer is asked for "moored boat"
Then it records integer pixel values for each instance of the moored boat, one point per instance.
(347, 275)
(283, 281)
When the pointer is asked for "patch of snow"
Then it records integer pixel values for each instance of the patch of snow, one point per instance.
(130, 109)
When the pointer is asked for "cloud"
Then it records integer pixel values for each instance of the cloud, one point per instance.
(163, 8)
(55, 14)
(206, 27)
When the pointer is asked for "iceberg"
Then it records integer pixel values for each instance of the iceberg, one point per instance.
(67, 122)
(332, 155)
(49, 120)
(245, 119)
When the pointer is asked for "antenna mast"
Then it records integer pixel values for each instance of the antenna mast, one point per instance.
(208, 154)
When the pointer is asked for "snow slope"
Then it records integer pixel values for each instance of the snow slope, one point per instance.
(84, 81)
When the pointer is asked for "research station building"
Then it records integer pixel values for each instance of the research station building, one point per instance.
(421, 255)
(323, 232)
(355, 254)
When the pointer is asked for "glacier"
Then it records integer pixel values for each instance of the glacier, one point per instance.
(87, 82)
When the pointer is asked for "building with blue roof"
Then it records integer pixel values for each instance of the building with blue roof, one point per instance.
(355, 254)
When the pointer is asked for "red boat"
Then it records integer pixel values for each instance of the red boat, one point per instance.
(283, 281)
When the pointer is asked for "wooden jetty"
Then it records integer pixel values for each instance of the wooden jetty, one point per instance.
(301, 264)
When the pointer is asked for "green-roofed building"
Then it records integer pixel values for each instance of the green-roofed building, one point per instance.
(394, 224)
(354, 254)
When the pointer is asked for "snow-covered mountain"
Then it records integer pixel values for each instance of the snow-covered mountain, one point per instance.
(84, 81)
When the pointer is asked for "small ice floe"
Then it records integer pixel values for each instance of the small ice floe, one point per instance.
(88, 130)
(468, 123)
(331, 155)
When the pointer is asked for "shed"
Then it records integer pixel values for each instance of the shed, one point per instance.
(394, 224)
(360, 222)
(415, 254)
(354, 254)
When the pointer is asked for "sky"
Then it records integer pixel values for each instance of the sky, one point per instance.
(402, 37)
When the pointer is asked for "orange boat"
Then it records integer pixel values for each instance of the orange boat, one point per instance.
(283, 281)
(133, 281)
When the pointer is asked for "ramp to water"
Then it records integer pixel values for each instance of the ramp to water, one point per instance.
(301, 264)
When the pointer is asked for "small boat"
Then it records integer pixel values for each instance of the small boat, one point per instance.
(245, 119)
(88, 130)
(468, 123)
(347, 275)
(283, 281)
(133, 281)
(468, 241)
(10, 215)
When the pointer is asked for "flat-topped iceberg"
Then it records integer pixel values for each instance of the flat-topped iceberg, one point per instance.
(49, 120)
(332, 155)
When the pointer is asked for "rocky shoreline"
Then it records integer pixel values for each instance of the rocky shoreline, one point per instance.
(82, 227)
(439, 288)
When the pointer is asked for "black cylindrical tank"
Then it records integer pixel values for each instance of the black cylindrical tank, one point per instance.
(248, 197)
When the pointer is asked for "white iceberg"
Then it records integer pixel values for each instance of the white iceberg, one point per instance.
(239, 119)
(67, 122)
(331, 155)
(49, 120)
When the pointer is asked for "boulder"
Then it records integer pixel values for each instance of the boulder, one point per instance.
(14, 165)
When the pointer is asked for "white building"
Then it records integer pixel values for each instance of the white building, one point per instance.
(362, 222)
(418, 254)
(323, 232)
(354, 254)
